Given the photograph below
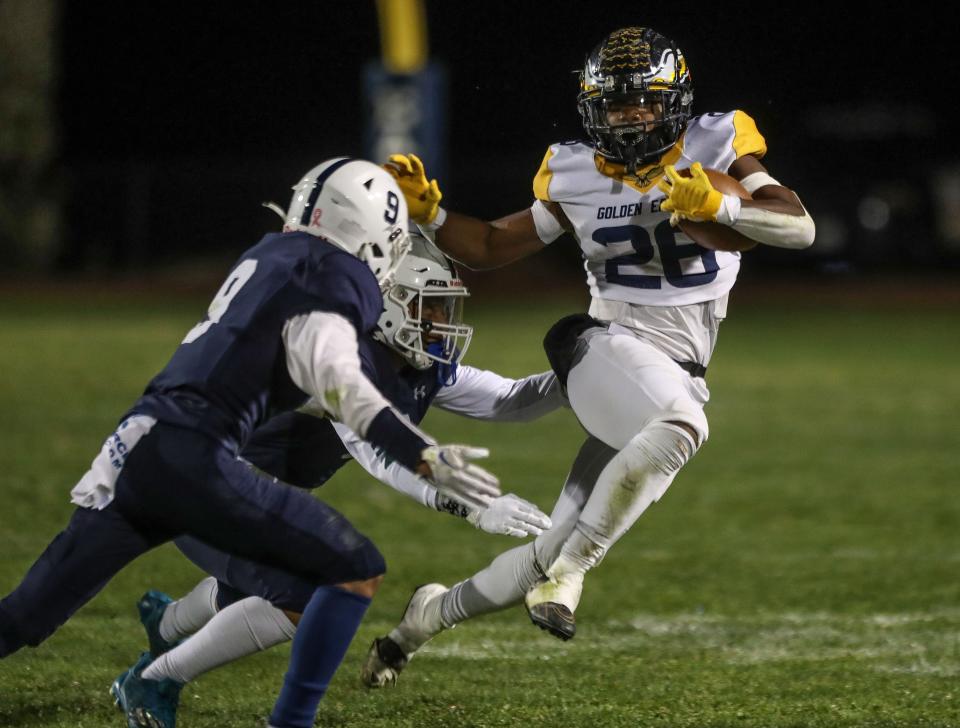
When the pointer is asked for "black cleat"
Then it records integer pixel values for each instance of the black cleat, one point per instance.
(555, 618)
(383, 664)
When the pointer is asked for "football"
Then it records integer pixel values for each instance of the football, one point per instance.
(713, 235)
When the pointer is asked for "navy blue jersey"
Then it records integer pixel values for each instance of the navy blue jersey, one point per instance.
(230, 374)
(306, 451)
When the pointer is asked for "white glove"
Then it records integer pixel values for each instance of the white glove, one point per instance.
(510, 515)
(454, 476)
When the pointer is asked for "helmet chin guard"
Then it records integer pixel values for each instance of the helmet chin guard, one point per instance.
(635, 65)
(355, 205)
(422, 318)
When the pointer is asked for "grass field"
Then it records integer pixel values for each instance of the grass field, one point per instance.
(803, 570)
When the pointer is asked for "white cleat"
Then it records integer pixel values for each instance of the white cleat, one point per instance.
(421, 621)
(551, 603)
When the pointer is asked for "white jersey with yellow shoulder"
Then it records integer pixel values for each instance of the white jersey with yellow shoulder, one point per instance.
(631, 253)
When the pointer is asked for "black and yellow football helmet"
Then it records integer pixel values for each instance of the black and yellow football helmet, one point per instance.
(635, 66)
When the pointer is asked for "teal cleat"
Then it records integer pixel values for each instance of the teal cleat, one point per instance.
(146, 703)
(151, 606)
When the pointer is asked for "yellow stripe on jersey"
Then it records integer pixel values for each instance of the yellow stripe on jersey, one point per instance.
(646, 177)
(541, 183)
(746, 137)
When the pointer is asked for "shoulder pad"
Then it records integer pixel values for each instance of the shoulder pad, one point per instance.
(561, 161)
(717, 139)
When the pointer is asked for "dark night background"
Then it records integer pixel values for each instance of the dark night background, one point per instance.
(176, 120)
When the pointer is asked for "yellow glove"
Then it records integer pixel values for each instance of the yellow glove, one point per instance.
(423, 197)
(690, 198)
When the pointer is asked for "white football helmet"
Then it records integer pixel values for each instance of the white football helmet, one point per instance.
(355, 205)
(422, 315)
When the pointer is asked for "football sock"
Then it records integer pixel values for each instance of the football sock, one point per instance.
(185, 616)
(502, 584)
(243, 628)
(326, 629)
(411, 634)
(637, 476)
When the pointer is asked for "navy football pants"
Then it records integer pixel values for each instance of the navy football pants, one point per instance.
(238, 578)
(175, 482)
(301, 450)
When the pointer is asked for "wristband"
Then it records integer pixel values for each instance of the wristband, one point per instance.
(445, 504)
(438, 220)
(729, 211)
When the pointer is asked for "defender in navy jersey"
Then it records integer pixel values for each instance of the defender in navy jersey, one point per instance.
(245, 607)
(282, 328)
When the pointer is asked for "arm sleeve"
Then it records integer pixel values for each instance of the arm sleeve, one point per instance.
(323, 361)
(548, 227)
(388, 473)
(775, 228)
(485, 395)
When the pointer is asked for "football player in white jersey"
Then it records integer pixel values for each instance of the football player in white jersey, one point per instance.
(634, 368)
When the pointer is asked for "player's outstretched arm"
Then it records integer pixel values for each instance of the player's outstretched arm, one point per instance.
(322, 361)
(484, 395)
(507, 515)
(483, 245)
(468, 240)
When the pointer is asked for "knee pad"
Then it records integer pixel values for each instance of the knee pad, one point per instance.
(637, 476)
(667, 445)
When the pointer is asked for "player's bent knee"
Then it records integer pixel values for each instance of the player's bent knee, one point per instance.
(696, 434)
(366, 588)
(374, 564)
(369, 568)
(362, 563)
(669, 444)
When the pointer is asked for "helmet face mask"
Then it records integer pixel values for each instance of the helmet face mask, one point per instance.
(635, 66)
(355, 205)
(422, 318)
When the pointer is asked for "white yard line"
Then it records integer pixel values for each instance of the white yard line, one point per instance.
(911, 643)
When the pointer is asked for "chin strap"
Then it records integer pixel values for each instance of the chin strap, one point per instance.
(276, 208)
(446, 373)
(630, 163)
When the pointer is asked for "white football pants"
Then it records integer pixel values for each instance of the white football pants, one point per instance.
(626, 394)
(635, 399)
